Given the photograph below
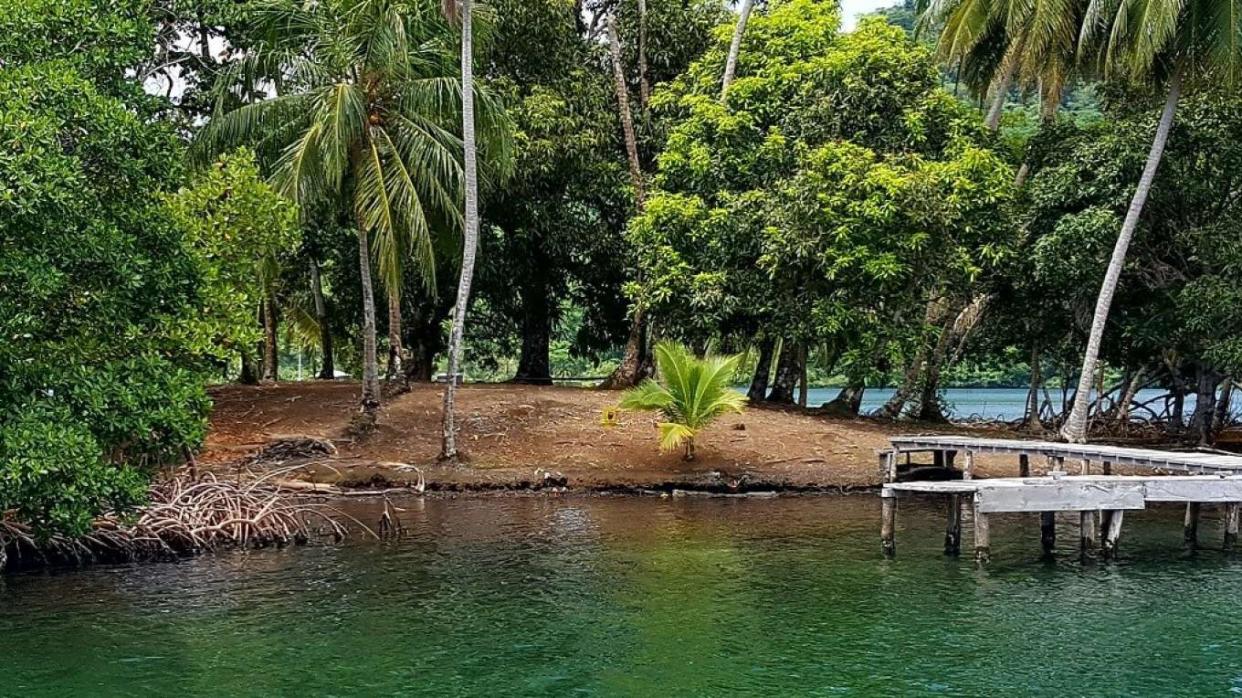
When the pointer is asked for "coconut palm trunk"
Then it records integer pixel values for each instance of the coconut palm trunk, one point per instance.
(629, 370)
(370, 371)
(327, 370)
(644, 84)
(1075, 429)
(448, 450)
(735, 47)
(1000, 94)
(394, 370)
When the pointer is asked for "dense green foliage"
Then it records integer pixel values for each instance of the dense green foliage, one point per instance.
(94, 286)
(236, 227)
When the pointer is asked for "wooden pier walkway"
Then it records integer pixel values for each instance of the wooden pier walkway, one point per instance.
(1100, 500)
(944, 448)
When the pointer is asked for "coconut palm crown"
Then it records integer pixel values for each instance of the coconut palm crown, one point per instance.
(693, 393)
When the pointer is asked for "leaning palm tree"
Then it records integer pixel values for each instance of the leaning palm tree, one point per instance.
(694, 393)
(367, 112)
(461, 11)
(1155, 43)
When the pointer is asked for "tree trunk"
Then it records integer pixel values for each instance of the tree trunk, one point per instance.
(1033, 422)
(627, 120)
(1000, 94)
(1202, 423)
(759, 384)
(448, 450)
(370, 371)
(1075, 429)
(735, 47)
(803, 387)
(1224, 404)
(395, 350)
(787, 372)
(271, 353)
(630, 369)
(644, 85)
(327, 370)
(848, 402)
(533, 364)
(248, 375)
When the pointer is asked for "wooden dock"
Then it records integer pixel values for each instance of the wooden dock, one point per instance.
(1100, 500)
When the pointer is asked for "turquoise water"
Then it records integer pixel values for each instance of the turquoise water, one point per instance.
(1005, 404)
(640, 597)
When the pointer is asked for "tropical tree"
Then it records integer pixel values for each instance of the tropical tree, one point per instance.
(693, 393)
(98, 383)
(461, 11)
(368, 113)
(1150, 42)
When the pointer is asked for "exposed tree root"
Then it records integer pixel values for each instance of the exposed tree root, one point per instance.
(184, 517)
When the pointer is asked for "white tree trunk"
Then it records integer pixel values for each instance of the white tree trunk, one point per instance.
(1075, 429)
(448, 449)
(1000, 94)
(370, 372)
(736, 46)
(394, 369)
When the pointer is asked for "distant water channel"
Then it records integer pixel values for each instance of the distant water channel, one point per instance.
(640, 597)
(1005, 404)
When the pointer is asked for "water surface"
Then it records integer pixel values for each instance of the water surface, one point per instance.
(640, 597)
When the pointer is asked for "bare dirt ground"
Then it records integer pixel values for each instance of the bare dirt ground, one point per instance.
(513, 436)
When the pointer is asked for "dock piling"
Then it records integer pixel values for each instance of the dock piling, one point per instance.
(1024, 465)
(983, 535)
(953, 531)
(1112, 533)
(968, 471)
(888, 526)
(1089, 533)
(1232, 512)
(1048, 531)
(1190, 528)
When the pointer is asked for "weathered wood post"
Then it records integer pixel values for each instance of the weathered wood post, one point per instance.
(1112, 533)
(888, 525)
(938, 459)
(1233, 511)
(1190, 528)
(1085, 468)
(953, 531)
(1108, 467)
(1024, 465)
(1048, 531)
(983, 534)
(968, 472)
(888, 466)
(949, 458)
(1087, 528)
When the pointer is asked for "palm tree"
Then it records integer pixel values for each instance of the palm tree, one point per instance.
(999, 42)
(735, 46)
(367, 114)
(461, 10)
(695, 392)
(1150, 41)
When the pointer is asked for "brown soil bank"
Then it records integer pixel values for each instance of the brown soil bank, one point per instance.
(518, 436)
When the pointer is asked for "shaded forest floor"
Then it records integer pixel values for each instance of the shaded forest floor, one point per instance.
(514, 435)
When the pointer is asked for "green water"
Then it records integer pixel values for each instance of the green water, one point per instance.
(639, 597)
